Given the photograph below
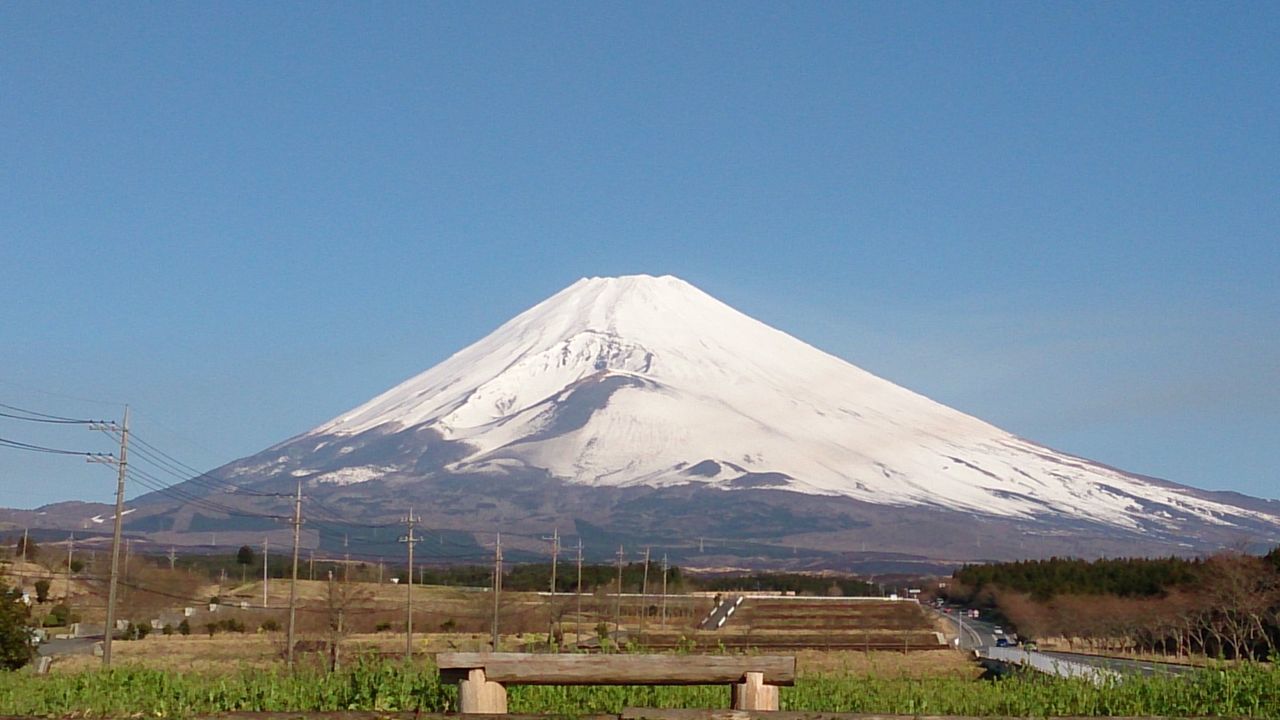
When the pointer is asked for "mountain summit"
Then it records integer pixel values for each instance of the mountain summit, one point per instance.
(629, 403)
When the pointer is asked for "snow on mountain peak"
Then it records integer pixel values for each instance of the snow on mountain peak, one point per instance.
(643, 380)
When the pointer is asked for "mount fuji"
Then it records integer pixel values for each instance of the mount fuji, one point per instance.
(642, 410)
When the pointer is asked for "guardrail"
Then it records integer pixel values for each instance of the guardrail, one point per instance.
(1048, 665)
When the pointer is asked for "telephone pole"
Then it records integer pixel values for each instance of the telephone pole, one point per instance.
(264, 570)
(121, 464)
(555, 554)
(173, 559)
(664, 591)
(617, 599)
(577, 618)
(409, 539)
(497, 587)
(22, 574)
(293, 583)
(346, 561)
(644, 592)
(71, 547)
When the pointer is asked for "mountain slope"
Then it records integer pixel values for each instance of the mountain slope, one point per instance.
(618, 391)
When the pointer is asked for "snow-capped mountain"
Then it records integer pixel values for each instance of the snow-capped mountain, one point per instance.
(646, 392)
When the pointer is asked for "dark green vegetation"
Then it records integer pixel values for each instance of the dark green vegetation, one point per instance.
(1248, 690)
(792, 582)
(1227, 605)
(15, 635)
(1123, 577)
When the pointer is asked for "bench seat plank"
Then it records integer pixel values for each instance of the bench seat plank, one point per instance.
(553, 669)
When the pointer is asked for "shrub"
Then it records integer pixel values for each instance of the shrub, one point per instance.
(60, 616)
(184, 627)
(15, 633)
(270, 625)
(42, 591)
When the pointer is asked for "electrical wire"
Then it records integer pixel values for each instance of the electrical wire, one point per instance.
(148, 480)
(41, 417)
(17, 445)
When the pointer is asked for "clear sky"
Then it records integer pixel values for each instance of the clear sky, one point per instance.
(246, 218)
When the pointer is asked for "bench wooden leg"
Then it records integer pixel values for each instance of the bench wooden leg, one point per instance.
(477, 694)
(754, 694)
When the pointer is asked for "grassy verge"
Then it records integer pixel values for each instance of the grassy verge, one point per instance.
(1252, 691)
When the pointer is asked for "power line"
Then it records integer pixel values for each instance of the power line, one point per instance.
(37, 416)
(18, 445)
(183, 497)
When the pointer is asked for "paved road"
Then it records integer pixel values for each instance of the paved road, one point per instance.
(980, 635)
(73, 646)
(974, 634)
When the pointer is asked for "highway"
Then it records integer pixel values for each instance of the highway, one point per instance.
(981, 636)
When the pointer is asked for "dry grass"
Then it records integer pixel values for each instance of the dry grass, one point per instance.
(230, 652)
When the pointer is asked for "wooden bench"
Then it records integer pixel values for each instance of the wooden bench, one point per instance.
(481, 676)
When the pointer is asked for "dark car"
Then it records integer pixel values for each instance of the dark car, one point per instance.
(1002, 642)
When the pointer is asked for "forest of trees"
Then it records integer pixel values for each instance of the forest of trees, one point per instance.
(1226, 605)
(793, 582)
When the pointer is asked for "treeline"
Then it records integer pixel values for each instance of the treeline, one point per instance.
(1122, 577)
(1227, 605)
(536, 577)
(792, 582)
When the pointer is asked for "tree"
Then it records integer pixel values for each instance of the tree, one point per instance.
(1273, 557)
(26, 548)
(244, 557)
(15, 632)
(42, 591)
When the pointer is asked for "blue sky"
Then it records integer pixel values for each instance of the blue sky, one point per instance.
(245, 218)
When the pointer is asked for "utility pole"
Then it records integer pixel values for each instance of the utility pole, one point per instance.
(700, 547)
(22, 574)
(664, 591)
(346, 561)
(121, 464)
(293, 582)
(173, 558)
(617, 599)
(577, 618)
(497, 587)
(644, 592)
(71, 547)
(410, 521)
(551, 613)
(264, 570)
(311, 565)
